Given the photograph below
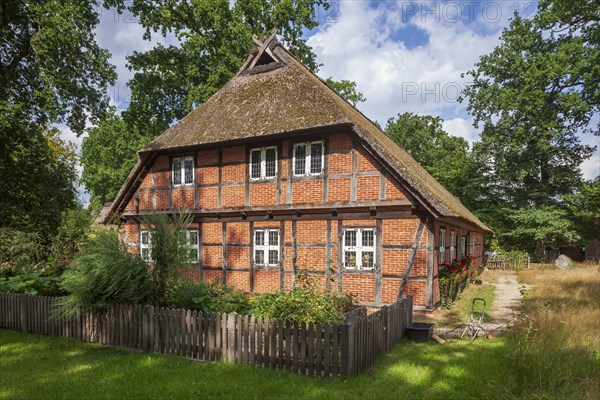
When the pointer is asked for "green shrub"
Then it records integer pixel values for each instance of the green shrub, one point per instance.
(105, 273)
(32, 283)
(209, 297)
(169, 250)
(19, 251)
(305, 303)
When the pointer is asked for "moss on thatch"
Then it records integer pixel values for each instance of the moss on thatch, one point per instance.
(290, 98)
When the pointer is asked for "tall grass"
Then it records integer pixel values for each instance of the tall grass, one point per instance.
(556, 346)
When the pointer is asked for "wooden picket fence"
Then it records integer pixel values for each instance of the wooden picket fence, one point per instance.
(306, 349)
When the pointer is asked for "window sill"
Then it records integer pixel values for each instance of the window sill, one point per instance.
(359, 270)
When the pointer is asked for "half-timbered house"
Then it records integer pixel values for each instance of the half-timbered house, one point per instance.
(282, 175)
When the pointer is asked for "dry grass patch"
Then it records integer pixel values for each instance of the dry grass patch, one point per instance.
(557, 341)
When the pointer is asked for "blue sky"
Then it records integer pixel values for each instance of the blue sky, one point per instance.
(404, 56)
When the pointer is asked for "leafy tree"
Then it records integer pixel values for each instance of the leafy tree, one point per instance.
(532, 95)
(584, 209)
(535, 228)
(445, 157)
(38, 175)
(346, 89)
(214, 40)
(107, 154)
(51, 66)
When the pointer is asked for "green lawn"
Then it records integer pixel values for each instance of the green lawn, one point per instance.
(35, 366)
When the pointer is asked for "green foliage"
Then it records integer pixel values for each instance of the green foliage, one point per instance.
(105, 273)
(32, 283)
(52, 68)
(74, 225)
(584, 210)
(19, 251)
(346, 89)
(532, 95)
(536, 228)
(108, 153)
(214, 40)
(305, 303)
(38, 175)
(445, 157)
(208, 297)
(169, 249)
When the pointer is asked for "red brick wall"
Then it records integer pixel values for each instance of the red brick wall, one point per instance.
(221, 182)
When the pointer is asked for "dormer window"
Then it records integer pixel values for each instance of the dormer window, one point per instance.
(263, 163)
(308, 158)
(183, 171)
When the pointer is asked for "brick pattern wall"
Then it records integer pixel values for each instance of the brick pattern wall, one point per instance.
(350, 176)
(310, 246)
(221, 180)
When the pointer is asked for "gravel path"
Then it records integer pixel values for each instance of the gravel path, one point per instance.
(507, 298)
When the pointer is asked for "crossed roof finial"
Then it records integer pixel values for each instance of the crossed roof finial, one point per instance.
(263, 47)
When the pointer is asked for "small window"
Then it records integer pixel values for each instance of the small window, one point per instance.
(263, 163)
(192, 246)
(442, 251)
(146, 246)
(183, 171)
(359, 248)
(266, 247)
(452, 245)
(308, 159)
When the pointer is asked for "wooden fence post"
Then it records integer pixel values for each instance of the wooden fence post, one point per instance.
(348, 349)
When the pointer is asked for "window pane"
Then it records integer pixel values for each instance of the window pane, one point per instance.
(176, 171)
(350, 259)
(273, 238)
(255, 164)
(273, 257)
(367, 259)
(300, 163)
(259, 257)
(193, 237)
(145, 254)
(189, 169)
(259, 238)
(368, 238)
(350, 238)
(316, 164)
(192, 255)
(271, 163)
(144, 237)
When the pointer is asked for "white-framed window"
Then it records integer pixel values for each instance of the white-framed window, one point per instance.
(146, 245)
(266, 247)
(452, 245)
(192, 243)
(263, 163)
(308, 158)
(442, 252)
(359, 248)
(182, 172)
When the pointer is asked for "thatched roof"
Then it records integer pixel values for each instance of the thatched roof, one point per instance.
(286, 97)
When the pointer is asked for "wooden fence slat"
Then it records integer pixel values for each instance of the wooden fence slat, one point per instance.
(295, 347)
(281, 350)
(311, 348)
(318, 350)
(252, 329)
(327, 350)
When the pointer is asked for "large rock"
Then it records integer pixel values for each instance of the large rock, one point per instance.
(563, 262)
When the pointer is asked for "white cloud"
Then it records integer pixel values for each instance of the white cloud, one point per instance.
(394, 75)
(461, 127)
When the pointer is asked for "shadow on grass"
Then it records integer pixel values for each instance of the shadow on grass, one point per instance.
(35, 366)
